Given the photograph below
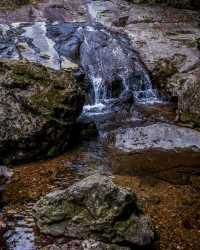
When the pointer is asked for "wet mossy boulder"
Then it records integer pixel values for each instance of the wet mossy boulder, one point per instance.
(95, 208)
(14, 3)
(39, 107)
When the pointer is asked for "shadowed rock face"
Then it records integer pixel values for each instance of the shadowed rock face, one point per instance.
(175, 3)
(38, 109)
(95, 208)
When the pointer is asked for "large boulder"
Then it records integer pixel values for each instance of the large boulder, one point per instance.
(38, 109)
(95, 208)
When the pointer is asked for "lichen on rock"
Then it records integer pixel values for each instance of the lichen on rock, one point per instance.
(95, 208)
(38, 109)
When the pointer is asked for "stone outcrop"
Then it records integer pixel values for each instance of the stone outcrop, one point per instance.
(38, 109)
(167, 40)
(97, 209)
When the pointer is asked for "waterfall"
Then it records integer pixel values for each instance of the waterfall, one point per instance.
(147, 94)
(113, 70)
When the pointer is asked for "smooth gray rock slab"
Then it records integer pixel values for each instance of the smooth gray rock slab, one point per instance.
(157, 136)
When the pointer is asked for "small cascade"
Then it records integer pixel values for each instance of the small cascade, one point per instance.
(113, 70)
(146, 94)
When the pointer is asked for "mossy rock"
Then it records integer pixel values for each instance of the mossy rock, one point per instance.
(191, 118)
(38, 109)
(95, 208)
(11, 4)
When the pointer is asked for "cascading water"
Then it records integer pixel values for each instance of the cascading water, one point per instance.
(113, 70)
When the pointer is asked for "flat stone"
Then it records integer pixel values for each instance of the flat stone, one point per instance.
(157, 136)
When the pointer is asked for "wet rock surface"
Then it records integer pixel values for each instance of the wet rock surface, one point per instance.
(95, 208)
(38, 105)
(167, 179)
(109, 64)
(167, 41)
(158, 136)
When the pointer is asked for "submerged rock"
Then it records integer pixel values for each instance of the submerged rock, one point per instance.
(38, 109)
(95, 208)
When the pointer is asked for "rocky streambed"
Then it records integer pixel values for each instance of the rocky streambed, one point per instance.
(116, 84)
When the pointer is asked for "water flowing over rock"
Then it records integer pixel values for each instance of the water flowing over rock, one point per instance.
(112, 68)
(167, 40)
(95, 208)
(38, 109)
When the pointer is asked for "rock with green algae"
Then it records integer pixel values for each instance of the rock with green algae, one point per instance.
(95, 208)
(38, 109)
(14, 3)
